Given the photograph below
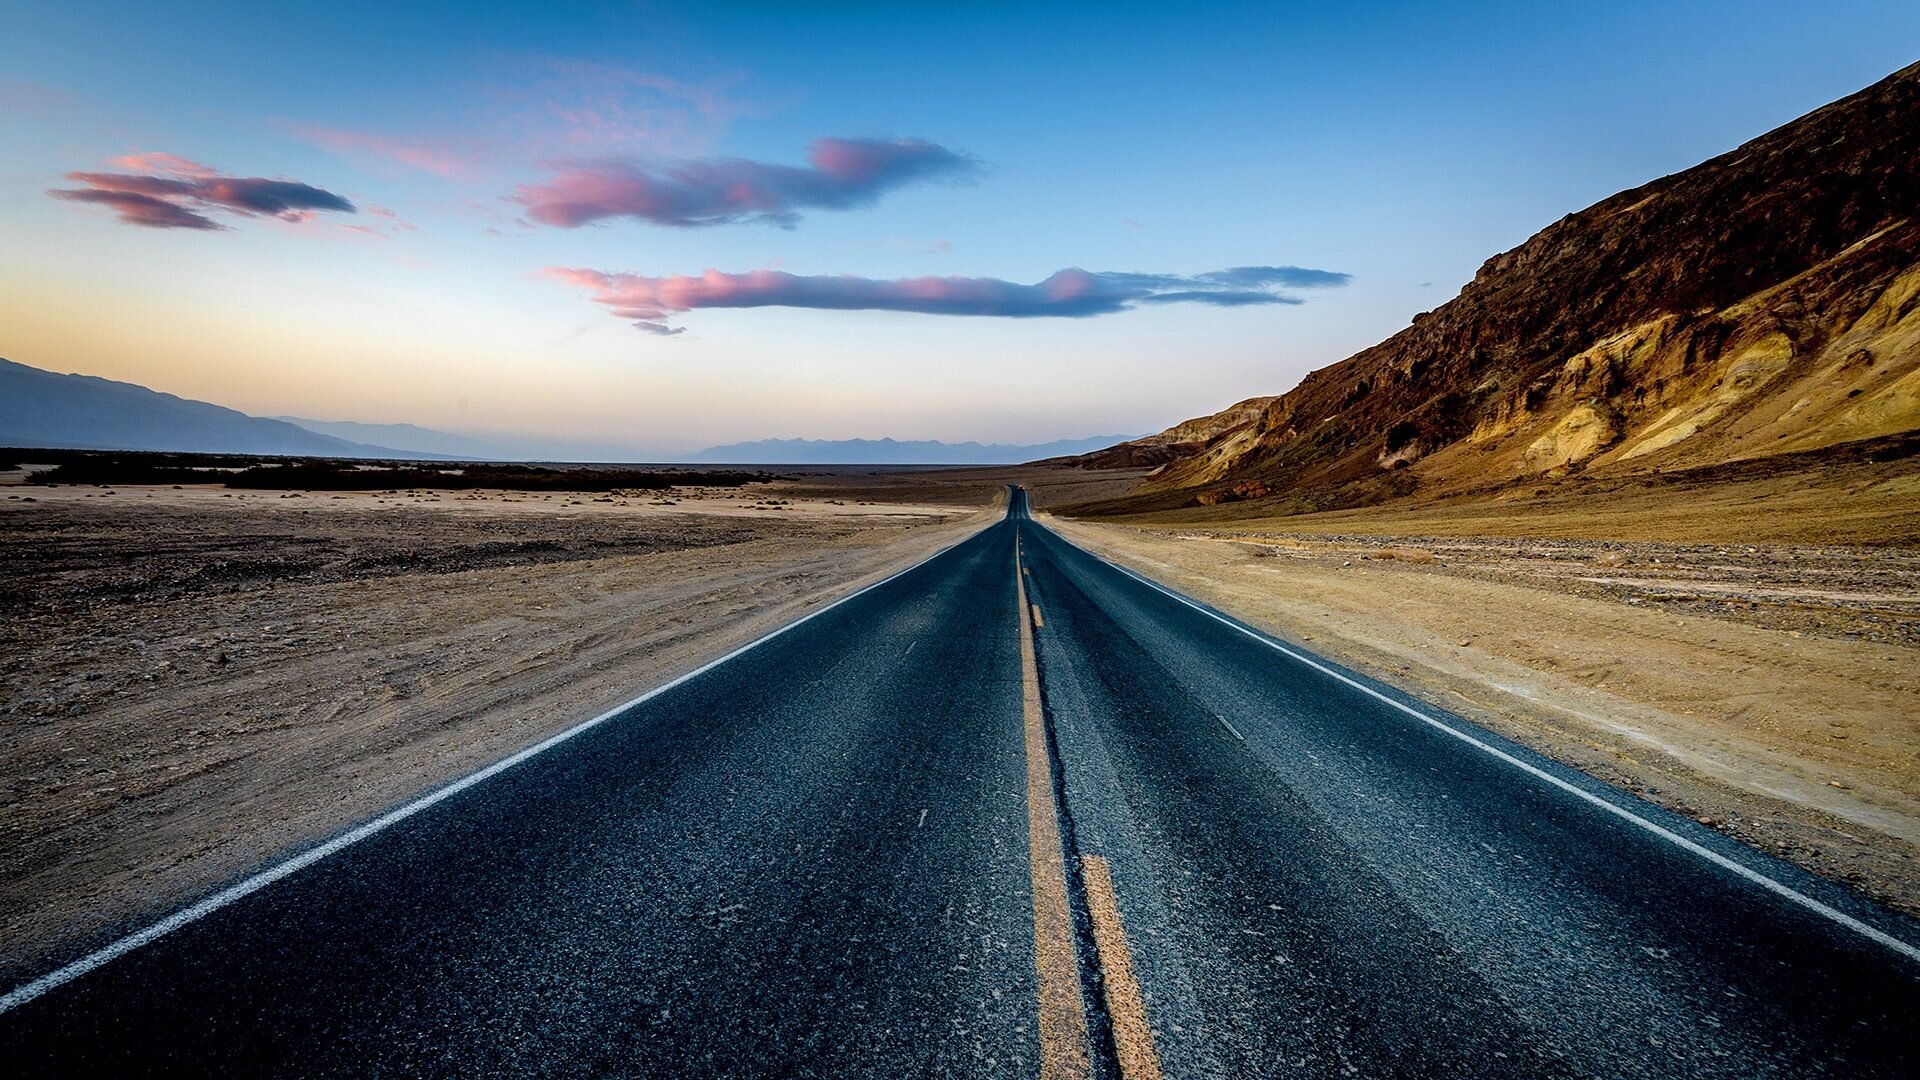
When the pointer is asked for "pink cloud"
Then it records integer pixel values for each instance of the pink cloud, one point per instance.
(174, 193)
(1072, 293)
(842, 174)
(166, 164)
(137, 209)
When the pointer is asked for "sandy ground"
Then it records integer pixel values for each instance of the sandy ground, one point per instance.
(1769, 691)
(194, 681)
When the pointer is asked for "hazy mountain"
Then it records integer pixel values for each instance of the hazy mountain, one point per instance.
(44, 408)
(409, 437)
(892, 452)
(1765, 302)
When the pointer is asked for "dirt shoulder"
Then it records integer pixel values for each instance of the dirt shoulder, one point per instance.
(1768, 691)
(193, 682)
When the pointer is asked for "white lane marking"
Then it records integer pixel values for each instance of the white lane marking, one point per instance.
(1784, 891)
(1231, 730)
(26, 992)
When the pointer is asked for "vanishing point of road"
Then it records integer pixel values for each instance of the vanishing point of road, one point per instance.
(1013, 812)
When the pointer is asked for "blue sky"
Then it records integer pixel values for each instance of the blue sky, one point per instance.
(1399, 146)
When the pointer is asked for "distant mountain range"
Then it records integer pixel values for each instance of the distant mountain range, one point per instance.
(410, 438)
(42, 408)
(84, 412)
(894, 452)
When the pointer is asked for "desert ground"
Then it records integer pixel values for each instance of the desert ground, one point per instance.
(1746, 652)
(195, 680)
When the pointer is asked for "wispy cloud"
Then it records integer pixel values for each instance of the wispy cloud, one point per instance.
(1073, 293)
(449, 159)
(383, 223)
(841, 174)
(170, 192)
(562, 107)
(37, 99)
(544, 109)
(153, 161)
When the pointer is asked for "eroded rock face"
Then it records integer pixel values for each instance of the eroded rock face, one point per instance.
(1179, 441)
(1765, 301)
(1245, 489)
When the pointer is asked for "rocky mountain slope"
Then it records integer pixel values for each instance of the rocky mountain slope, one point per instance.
(1179, 441)
(1766, 301)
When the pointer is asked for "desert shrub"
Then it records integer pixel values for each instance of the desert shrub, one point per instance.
(331, 474)
(352, 476)
(117, 471)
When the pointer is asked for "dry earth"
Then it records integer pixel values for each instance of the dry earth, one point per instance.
(194, 681)
(1851, 496)
(1772, 691)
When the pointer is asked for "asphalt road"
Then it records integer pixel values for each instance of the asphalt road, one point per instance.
(835, 853)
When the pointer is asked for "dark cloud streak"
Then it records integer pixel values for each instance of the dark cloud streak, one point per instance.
(137, 209)
(1285, 277)
(175, 197)
(1072, 293)
(1219, 298)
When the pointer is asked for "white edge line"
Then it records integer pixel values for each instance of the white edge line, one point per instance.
(26, 992)
(1827, 911)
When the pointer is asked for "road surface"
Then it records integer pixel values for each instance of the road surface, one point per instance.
(1014, 812)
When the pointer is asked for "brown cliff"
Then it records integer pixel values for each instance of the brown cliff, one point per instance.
(1764, 302)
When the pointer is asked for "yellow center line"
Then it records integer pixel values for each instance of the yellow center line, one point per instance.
(1037, 620)
(1126, 1008)
(1063, 1018)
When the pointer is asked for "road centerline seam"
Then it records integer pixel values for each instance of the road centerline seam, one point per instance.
(1120, 1034)
(1065, 1052)
(1126, 1005)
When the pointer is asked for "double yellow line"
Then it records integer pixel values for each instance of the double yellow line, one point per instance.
(1065, 1051)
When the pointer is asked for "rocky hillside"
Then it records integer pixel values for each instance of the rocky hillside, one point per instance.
(1179, 441)
(1764, 302)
